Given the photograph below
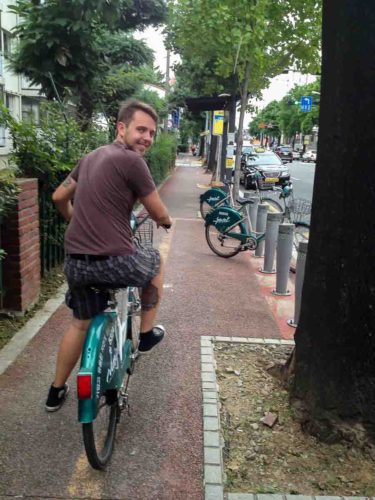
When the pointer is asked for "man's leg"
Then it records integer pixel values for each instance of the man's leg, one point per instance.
(70, 350)
(150, 299)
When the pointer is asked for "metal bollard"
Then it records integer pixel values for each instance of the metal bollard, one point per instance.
(300, 275)
(283, 257)
(252, 209)
(272, 229)
(261, 227)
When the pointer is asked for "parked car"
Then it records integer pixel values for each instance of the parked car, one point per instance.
(297, 155)
(285, 153)
(265, 169)
(309, 155)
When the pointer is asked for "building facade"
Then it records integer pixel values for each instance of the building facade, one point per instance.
(16, 91)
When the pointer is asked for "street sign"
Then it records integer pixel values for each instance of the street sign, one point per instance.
(306, 103)
(218, 124)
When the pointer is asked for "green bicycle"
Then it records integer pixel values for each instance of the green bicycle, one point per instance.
(216, 197)
(226, 231)
(108, 360)
(229, 231)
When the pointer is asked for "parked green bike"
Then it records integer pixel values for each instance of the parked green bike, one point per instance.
(216, 197)
(229, 231)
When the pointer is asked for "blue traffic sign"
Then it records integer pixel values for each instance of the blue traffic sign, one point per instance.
(306, 103)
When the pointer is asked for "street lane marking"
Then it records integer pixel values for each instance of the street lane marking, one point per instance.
(295, 179)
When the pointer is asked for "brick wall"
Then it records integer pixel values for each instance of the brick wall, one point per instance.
(20, 240)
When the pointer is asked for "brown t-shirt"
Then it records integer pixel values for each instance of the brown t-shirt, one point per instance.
(109, 181)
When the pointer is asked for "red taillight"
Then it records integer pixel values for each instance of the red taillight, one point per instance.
(84, 386)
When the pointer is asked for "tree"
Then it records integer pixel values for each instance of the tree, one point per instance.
(246, 41)
(62, 40)
(334, 376)
(269, 116)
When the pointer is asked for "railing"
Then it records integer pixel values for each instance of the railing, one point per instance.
(52, 229)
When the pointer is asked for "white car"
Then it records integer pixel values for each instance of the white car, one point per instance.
(309, 155)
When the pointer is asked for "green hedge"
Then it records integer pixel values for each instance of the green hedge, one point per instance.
(161, 157)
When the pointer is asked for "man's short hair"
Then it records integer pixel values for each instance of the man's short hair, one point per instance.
(130, 106)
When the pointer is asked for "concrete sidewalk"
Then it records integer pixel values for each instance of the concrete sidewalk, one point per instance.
(159, 450)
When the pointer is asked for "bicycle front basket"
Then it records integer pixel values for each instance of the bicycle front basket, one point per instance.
(144, 234)
(300, 208)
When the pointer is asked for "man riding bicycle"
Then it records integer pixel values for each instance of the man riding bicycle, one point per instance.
(99, 245)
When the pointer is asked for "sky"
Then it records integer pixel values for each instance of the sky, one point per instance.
(279, 86)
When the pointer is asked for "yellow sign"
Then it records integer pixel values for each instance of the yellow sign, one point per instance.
(230, 162)
(218, 124)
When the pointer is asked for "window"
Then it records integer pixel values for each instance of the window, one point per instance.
(11, 102)
(30, 110)
(6, 43)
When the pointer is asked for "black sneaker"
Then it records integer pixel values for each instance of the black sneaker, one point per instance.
(56, 397)
(149, 340)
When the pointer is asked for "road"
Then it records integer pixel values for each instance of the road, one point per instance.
(302, 176)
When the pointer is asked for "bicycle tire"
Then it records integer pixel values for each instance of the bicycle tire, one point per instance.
(273, 205)
(204, 208)
(301, 233)
(214, 237)
(98, 455)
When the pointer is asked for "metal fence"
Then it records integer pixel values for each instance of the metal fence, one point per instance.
(52, 229)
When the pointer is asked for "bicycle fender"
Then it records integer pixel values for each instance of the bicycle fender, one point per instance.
(223, 218)
(213, 196)
(100, 360)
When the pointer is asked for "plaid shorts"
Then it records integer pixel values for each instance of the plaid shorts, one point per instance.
(87, 296)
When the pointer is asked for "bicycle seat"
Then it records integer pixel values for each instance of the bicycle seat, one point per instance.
(245, 201)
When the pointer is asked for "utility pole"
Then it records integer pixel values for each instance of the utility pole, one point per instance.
(167, 87)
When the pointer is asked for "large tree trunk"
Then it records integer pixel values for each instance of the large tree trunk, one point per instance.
(334, 372)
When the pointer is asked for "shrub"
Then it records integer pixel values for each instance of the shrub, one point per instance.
(161, 157)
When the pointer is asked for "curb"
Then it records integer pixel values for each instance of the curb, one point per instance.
(214, 475)
(19, 341)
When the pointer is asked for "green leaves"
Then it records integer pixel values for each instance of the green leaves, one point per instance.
(70, 39)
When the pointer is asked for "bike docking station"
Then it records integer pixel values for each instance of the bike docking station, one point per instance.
(283, 258)
(272, 228)
(300, 275)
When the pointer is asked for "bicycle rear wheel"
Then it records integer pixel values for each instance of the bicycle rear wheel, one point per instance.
(301, 233)
(221, 244)
(99, 435)
(272, 205)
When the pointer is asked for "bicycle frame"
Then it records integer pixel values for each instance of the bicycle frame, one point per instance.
(103, 364)
(226, 218)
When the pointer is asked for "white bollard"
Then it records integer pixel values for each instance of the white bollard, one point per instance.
(300, 275)
(272, 230)
(283, 258)
(261, 227)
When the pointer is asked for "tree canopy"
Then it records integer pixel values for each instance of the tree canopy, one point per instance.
(246, 41)
(285, 116)
(75, 41)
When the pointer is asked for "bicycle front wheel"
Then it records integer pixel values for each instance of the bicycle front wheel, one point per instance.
(221, 244)
(204, 208)
(272, 205)
(99, 435)
(301, 233)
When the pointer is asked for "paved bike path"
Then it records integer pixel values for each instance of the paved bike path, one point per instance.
(159, 448)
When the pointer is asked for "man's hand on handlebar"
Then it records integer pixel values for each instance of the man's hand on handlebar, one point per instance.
(166, 223)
